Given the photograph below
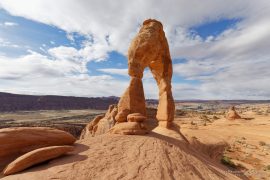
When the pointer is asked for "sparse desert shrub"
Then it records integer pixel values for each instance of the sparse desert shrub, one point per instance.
(227, 162)
(215, 117)
(262, 143)
(192, 123)
(268, 167)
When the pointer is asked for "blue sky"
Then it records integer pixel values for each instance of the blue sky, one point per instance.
(63, 53)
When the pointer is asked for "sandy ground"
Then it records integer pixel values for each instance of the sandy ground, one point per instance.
(247, 139)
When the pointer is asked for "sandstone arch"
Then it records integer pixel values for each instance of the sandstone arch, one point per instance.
(148, 49)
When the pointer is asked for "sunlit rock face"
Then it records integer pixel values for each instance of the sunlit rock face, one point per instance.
(148, 49)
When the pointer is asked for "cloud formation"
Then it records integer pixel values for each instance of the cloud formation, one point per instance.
(231, 65)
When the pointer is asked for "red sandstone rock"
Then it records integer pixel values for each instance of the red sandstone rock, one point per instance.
(35, 157)
(136, 117)
(129, 128)
(148, 49)
(91, 127)
(17, 141)
(101, 124)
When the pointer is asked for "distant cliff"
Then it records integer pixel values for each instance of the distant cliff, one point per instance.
(15, 102)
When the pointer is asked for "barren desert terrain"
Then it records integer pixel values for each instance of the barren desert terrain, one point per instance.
(242, 144)
(241, 147)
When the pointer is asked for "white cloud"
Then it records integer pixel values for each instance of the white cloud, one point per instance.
(87, 53)
(6, 43)
(122, 72)
(9, 24)
(63, 52)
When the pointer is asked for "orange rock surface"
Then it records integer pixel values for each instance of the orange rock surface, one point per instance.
(100, 124)
(148, 49)
(161, 154)
(35, 157)
(17, 141)
(129, 128)
(232, 114)
(91, 127)
(136, 117)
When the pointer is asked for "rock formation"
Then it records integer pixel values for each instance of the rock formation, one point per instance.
(100, 124)
(35, 157)
(232, 114)
(91, 127)
(148, 49)
(17, 141)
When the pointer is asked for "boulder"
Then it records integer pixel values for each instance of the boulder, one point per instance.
(35, 157)
(129, 128)
(17, 141)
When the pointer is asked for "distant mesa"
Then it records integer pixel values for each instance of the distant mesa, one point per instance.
(232, 114)
(17, 102)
